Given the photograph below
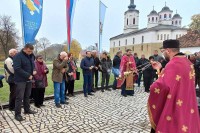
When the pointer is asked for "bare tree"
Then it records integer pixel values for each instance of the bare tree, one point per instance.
(44, 44)
(8, 34)
(37, 47)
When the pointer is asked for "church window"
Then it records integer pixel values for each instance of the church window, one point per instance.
(167, 36)
(165, 16)
(133, 40)
(126, 42)
(176, 22)
(158, 37)
(141, 47)
(152, 19)
(127, 21)
(170, 15)
(119, 43)
(142, 39)
(164, 36)
(161, 36)
(133, 48)
(160, 16)
(156, 19)
(149, 19)
(133, 20)
(172, 22)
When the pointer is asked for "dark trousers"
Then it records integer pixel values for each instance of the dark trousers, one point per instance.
(95, 76)
(152, 130)
(147, 83)
(115, 81)
(197, 81)
(38, 95)
(87, 84)
(124, 91)
(105, 78)
(12, 96)
(139, 79)
(70, 87)
(23, 92)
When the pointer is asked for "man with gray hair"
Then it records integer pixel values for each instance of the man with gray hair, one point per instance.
(59, 77)
(9, 73)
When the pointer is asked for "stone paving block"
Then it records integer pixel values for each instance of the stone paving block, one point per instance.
(105, 112)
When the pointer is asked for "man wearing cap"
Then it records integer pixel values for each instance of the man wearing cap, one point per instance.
(172, 103)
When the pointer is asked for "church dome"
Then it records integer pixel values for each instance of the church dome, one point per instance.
(177, 16)
(165, 9)
(153, 12)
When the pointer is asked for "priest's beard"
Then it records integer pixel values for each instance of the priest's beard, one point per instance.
(166, 57)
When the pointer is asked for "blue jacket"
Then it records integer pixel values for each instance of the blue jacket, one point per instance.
(85, 64)
(23, 66)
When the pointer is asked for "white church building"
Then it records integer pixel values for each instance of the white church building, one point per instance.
(161, 26)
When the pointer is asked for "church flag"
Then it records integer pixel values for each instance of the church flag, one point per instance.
(70, 7)
(102, 12)
(31, 15)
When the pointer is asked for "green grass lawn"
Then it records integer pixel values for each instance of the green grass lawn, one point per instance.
(4, 92)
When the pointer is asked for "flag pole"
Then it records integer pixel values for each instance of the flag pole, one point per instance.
(23, 39)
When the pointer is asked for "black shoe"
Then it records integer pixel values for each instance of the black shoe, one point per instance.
(58, 105)
(108, 89)
(12, 109)
(131, 94)
(92, 90)
(90, 94)
(42, 105)
(64, 103)
(73, 95)
(66, 98)
(19, 118)
(124, 95)
(38, 106)
(30, 112)
(102, 90)
(85, 95)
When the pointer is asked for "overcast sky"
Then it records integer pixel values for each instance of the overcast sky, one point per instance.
(85, 27)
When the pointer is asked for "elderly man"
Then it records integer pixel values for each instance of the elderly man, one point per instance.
(23, 64)
(172, 103)
(59, 77)
(9, 72)
(95, 69)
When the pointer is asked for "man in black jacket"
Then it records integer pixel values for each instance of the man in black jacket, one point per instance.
(87, 64)
(115, 69)
(106, 66)
(141, 63)
(95, 72)
(23, 64)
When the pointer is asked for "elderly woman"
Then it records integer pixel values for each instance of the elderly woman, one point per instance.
(40, 81)
(71, 75)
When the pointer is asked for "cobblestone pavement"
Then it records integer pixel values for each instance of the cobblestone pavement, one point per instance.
(106, 112)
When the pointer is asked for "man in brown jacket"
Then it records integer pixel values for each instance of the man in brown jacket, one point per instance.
(58, 77)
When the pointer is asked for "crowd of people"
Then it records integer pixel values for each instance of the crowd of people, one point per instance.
(170, 76)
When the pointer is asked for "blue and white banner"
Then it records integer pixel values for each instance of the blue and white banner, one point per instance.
(102, 12)
(31, 13)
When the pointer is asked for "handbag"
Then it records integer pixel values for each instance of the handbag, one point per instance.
(1, 83)
(39, 83)
(77, 75)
